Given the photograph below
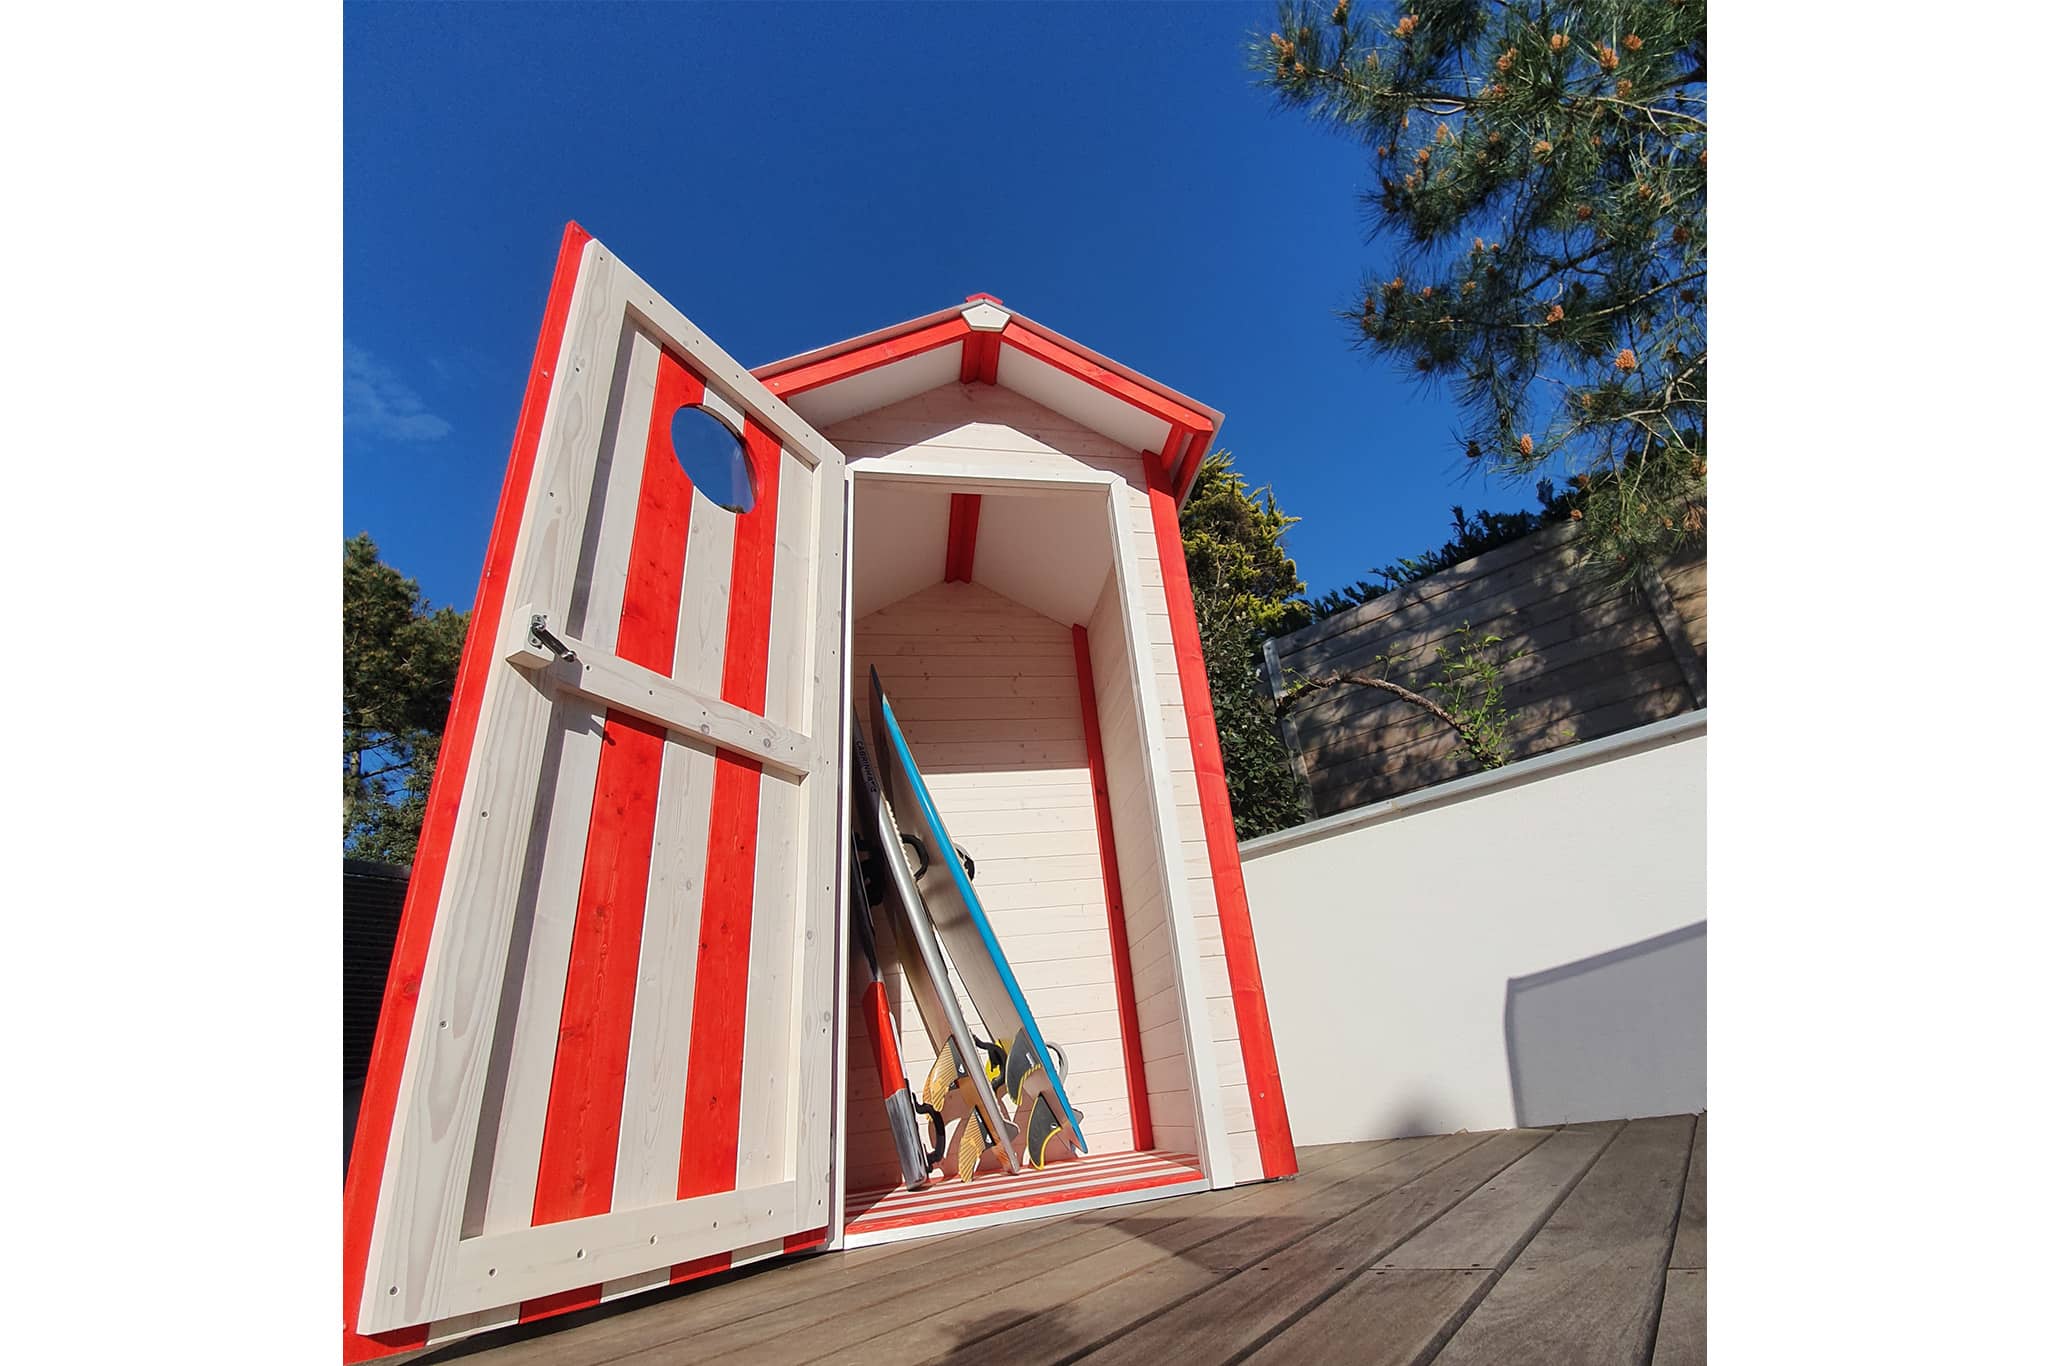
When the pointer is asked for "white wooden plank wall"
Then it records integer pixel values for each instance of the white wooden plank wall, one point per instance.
(1230, 1072)
(1163, 1044)
(988, 697)
(962, 423)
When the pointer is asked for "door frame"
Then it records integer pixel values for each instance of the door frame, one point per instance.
(991, 474)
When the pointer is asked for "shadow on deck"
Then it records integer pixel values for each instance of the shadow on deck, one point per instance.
(1580, 1244)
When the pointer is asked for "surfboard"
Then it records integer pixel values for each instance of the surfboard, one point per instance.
(947, 887)
(959, 1063)
(898, 1102)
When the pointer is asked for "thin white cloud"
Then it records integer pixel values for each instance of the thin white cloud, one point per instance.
(375, 400)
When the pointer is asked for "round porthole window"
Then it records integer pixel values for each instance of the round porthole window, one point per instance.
(712, 454)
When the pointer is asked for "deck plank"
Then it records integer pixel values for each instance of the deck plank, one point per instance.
(1689, 1252)
(1092, 1318)
(1490, 1226)
(1585, 1290)
(1682, 1324)
(1384, 1318)
(659, 1318)
(1151, 1232)
(792, 1325)
(1243, 1308)
(663, 1317)
(832, 1317)
(1518, 1245)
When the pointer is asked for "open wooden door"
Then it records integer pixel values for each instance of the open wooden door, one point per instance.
(605, 1055)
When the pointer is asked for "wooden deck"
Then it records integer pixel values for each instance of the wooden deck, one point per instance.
(1585, 1244)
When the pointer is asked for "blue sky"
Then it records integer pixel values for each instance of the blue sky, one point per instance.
(792, 175)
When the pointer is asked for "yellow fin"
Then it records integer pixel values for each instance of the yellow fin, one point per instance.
(970, 1147)
(945, 1071)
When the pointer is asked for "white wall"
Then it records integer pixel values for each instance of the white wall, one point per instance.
(1520, 947)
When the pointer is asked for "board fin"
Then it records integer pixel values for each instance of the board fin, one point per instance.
(945, 1071)
(972, 1142)
(1023, 1060)
(1040, 1129)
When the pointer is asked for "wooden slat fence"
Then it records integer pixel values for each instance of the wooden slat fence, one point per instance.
(1598, 657)
(372, 895)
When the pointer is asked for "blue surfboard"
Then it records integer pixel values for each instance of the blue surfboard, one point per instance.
(958, 916)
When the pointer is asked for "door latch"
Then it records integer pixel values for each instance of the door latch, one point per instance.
(537, 631)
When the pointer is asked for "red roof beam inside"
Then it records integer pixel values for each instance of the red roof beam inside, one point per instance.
(1111, 383)
(978, 357)
(834, 368)
(964, 522)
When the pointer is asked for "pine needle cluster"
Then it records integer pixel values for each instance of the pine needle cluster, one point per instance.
(1543, 169)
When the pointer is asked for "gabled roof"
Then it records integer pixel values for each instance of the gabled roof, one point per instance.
(980, 341)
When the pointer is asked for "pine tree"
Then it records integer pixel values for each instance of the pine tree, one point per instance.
(398, 662)
(1245, 589)
(1543, 170)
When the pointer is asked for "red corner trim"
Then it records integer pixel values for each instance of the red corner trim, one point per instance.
(1240, 953)
(834, 368)
(961, 526)
(977, 298)
(1081, 368)
(1113, 894)
(1190, 466)
(444, 801)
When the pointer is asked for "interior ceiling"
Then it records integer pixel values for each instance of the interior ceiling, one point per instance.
(1049, 552)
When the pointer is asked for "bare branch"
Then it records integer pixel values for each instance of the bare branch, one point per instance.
(1474, 742)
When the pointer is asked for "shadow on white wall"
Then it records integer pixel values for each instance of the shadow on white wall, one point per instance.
(1619, 1035)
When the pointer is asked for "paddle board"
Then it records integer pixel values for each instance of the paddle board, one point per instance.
(963, 927)
(959, 1065)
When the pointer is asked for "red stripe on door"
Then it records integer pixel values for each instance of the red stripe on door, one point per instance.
(718, 1015)
(805, 1241)
(1113, 894)
(1240, 953)
(444, 801)
(699, 1268)
(580, 1142)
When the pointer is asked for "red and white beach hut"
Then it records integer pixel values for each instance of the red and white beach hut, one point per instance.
(618, 1049)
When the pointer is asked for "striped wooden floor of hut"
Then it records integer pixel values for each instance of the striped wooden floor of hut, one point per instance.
(1583, 1244)
(1082, 1184)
